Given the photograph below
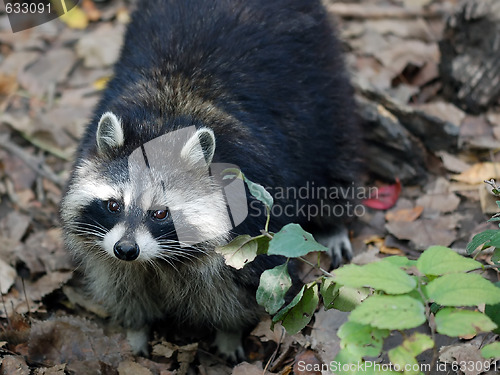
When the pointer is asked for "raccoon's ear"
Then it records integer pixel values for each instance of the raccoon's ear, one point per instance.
(109, 133)
(195, 154)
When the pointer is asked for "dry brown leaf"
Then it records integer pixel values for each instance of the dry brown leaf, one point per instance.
(132, 368)
(439, 202)
(8, 84)
(463, 353)
(324, 339)
(14, 365)
(101, 47)
(307, 358)
(452, 162)
(79, 297)
(479, 172)
(391, 250)
(93, 14)
(405, 214)
(55, 370)
(426, 232)
(444, 111)
(49, 70)
(80, 344)
(246, 368)
(7, 276)
(487, 200)
(46, 284)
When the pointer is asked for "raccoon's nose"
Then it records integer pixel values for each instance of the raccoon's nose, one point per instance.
(126, 250)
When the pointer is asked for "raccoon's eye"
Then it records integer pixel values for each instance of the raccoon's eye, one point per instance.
(160, 215)
(113, 206)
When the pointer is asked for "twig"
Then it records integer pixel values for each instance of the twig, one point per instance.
(26, 297)
(30, 161)
(325, 272)
(273, 356)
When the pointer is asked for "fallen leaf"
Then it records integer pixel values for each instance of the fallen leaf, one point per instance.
(479, 172)
(387, 197)
(132, 368)
(76, 18)
(246, 368)
(324, 333)
(46, 284)
(444, 111)
(8, 84)
(49, 70)
(452, 162)
(80, 344)
(405, 214)
(14, 365)
(463, 354)
(55, 370)
(307, 360)
(7, 276)
(426, 232)
(101, 47)
(391, 250)
(93, 14)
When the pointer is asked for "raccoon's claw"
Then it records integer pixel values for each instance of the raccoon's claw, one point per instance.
(138, 340)
(229, 346)
(339, 246)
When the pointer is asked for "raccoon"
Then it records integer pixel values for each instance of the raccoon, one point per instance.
(259, 84)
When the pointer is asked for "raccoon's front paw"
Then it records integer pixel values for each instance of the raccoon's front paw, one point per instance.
(339, 245)
(138, 340)
(229, 346)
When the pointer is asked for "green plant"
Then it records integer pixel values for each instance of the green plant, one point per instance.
(441, 289)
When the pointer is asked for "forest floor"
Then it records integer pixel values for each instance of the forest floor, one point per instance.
(426, 154)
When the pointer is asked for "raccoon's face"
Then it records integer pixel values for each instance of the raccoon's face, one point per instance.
(159, 202)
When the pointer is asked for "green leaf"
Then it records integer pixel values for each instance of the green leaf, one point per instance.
(480, 239)
(404, 356)
(293, 241)
(379, 275)
(440, 260)
(389, 312)
(239, 252)
(348, 298)
(259, 192)
(403, 359)
(491, 351)
(495, 258)
(301, 314)
(329, 291)
(493, 311)
(494, 241)
(462, 290)
(361, 339)
(282, 313)
(274, 284)
(456, 322)
(400, 261)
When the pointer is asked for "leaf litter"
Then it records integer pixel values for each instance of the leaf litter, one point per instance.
(52, 76)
